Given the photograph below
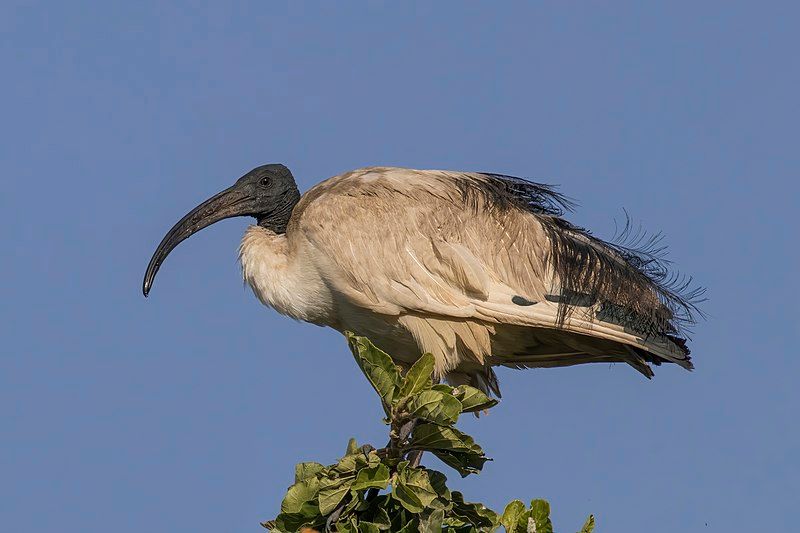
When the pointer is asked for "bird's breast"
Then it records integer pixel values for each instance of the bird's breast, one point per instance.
(283, 277)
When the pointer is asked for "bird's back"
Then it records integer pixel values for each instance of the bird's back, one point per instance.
(482, 270)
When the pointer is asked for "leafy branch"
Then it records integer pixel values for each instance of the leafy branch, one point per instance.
(373, 490)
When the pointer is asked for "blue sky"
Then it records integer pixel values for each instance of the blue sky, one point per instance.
(187, 411)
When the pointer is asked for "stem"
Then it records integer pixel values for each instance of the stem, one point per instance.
(414, 457)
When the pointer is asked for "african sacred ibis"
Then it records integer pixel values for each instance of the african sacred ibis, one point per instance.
(479, 269)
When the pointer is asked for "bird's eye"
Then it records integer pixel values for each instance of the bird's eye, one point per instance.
(264, 181)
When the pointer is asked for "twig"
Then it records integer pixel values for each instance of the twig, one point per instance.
(334, 516)
(414, 457)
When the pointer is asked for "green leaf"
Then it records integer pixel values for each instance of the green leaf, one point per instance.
(588, 526)
(378, 515)
(476, 514)
(407, 498)
(442, 499)
(304, 471)
(417, 480)
(540, 513)
(443, 387)
(436, 407)
(349, 464)
(465, 463)
(472, 399)
(428, 436)
(512, 515)
(299, 494)
(348, 525)
(354, 505)
(432, 522)
(453, 447)
(352, 447)
(398, 515)
(290, 522)
(368, 527)
(378, 367)
(372, 477)
(439, 484)
(332, 492)
(457, 525)
(409, 527)
(419, 377)
(412, 488)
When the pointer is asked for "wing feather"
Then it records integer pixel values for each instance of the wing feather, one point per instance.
(492, 250)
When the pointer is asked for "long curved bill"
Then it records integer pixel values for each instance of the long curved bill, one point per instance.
(229, 203)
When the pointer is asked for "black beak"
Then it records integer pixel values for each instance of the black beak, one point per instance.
(231, 202)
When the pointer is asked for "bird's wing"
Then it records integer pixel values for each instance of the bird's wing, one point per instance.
(460, 247)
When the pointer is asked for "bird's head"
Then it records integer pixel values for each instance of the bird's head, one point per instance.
(268, 193)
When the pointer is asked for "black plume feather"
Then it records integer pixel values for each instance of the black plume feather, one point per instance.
(629, 277)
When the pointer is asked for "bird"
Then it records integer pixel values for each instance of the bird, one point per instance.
(480, 269)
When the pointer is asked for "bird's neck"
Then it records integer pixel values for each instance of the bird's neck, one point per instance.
(277, 219)
(278, 278)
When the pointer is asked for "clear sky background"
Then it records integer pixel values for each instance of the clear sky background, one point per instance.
(188, 411)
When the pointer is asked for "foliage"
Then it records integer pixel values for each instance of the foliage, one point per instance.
(373, 490)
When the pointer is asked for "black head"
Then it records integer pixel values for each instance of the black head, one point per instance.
(271, 194)
(268, 193)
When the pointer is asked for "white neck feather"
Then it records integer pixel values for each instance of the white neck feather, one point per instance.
(281, 279)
